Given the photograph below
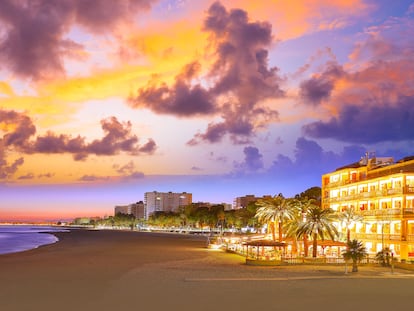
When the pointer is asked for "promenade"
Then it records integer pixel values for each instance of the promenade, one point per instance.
(116, 270)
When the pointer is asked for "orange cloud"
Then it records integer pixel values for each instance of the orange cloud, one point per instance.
(291, 19)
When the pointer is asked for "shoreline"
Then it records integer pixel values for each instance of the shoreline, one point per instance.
(124, 270)
(21, 238)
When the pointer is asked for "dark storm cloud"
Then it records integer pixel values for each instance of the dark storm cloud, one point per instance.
(319, 87)
(118, 138)
(238, 81)
(368, 123)
(33, 43)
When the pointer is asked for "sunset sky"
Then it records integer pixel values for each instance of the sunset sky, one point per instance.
(101, 101)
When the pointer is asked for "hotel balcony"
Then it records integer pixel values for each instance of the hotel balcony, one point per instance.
(381, 212)
(379, 237)
(386, 214)
(372, 194)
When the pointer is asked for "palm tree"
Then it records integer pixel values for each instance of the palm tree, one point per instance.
(318, 221)
(356, 251)
(383, 256)
(272, 210)
(348, 217)
(300, 205)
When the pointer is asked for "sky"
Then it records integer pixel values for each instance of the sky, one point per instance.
(102, 101)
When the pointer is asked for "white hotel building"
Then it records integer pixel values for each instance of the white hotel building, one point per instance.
(165, 201)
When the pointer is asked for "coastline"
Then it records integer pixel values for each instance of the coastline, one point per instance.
(129, 270)
(24, 237)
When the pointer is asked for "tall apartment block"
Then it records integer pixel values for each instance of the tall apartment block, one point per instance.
(165, 201)
(382, 192)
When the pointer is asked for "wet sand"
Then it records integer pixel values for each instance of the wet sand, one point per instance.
(116, 270)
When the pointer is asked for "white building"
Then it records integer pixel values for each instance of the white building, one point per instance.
(165, 201)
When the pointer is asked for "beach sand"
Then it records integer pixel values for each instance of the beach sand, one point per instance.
(121, 270)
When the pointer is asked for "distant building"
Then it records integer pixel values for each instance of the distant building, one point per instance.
(136, 209)
(242, 202)
(227, 206)
(165, 202)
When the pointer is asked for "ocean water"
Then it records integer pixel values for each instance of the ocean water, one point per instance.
(21, 238)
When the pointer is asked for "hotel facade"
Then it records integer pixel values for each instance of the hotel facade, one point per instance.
(381, 191)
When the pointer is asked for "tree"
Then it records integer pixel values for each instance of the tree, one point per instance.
(272, 210)
(383, 257)
(317, 223)
(314, 193)
(348, 217)
(355, 251)
(300, 205)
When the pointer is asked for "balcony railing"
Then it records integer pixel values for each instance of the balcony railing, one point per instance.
(381, 212)
(371, 194)
(378, 236)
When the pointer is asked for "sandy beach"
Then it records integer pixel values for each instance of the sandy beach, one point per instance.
(117, 270)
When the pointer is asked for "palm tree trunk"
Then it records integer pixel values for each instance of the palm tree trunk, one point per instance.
(348, 235)
(280, 231)
(273, 231)
(354, 266)
(294, 245)
(305, 245)
(315, 245)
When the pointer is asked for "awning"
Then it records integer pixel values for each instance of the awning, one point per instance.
(324, 243)
(265, 243)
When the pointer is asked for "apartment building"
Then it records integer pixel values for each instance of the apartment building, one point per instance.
(165, 201)
(137, 209)
(242, 202)
(382, 192)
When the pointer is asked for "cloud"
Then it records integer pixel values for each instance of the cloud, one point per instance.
(182, 99)
(93, 178)
(18, 128)
(372, 101)
(33, 41)
(28, 176)
(368, 124)
(319, 88)
(7, 170)
(236, 84)
(118, 138)
(102, 15)
(128, 171)
(196, 168)
(311, 160)
(46, 175)
(253, 161)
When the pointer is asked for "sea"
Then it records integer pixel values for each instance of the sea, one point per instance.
(18, 238)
